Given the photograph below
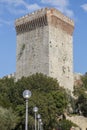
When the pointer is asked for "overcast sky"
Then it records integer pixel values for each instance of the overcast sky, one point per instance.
(13, 9)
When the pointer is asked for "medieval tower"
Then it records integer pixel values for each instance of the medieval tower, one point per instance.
(45, 44)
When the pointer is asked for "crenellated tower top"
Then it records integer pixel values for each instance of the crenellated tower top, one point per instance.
(44, 17)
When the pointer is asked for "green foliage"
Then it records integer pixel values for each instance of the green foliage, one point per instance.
(6, 84)
(61, 100)
(78, 90)
(65, 125)
(82, 104)
(81, 92)
(47, 95)
(8, 119)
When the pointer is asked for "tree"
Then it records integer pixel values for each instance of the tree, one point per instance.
(6, 84)
(8, 119)
(81, 92)
(82, 104)
(47, 95)
(65, 125)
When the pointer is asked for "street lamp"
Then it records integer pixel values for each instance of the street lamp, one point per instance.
(26, 95)
(40, 123)
(35, 109)
(38, 116)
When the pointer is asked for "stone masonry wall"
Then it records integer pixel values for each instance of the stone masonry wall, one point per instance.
(35, 54)
(61, 53)
(44, 44)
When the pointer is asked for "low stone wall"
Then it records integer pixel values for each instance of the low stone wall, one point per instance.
(79, 120)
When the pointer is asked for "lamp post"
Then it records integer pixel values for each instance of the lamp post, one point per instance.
(38, 116)
(40, 123)
(35, 109)
(26, 95)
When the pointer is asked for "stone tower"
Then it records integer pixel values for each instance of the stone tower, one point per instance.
(44, 44)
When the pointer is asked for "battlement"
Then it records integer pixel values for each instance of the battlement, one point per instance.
(42, 12)
(42, 18)
(31, 16)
